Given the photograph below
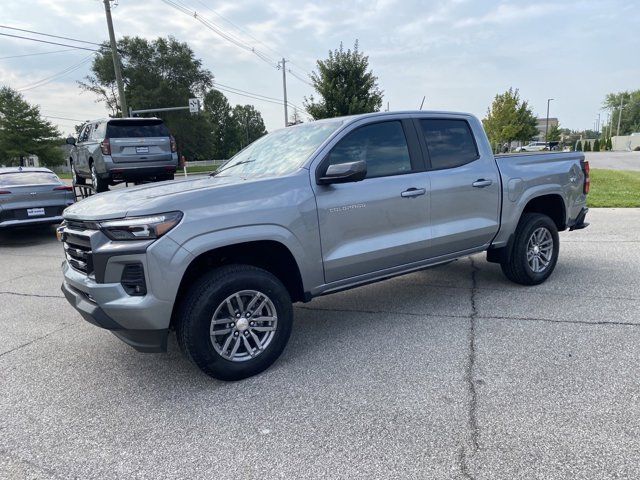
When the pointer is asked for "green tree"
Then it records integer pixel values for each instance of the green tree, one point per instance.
(247, 126)
(345, 85)
(554, 133)
(630, 120)
(24, 132)
(509, 118)
(157, 73)
(596, 145)
(609, 144)
(218, 113)
(587, 146)
(579, 146)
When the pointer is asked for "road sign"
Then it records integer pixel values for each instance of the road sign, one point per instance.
(194, 105)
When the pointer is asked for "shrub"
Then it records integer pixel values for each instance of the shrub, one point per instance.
(587, 146)
(596, 145)
(578, 146)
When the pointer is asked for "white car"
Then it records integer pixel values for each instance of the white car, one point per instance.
(533, 147)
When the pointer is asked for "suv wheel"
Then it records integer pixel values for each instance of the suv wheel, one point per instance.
(99, 185)
(75, 178)
(535, 250)
(235, 321)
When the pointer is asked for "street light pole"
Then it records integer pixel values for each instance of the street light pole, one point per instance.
(546, 129)
(284, 88)
(116, 60)
(619, 116)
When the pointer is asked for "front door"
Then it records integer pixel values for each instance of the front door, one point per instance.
(381, 221)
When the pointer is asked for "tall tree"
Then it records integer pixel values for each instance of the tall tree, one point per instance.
(630, 120)
(345, 85)
(24, 132)
(158, 73)
(509, 118)
(218, 113)
(554, 133)
(248, 126)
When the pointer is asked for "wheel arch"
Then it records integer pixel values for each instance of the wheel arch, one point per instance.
(270, 255)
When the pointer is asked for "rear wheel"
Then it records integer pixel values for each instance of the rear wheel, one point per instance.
(535, 250)
(235, 322)
(99, 185)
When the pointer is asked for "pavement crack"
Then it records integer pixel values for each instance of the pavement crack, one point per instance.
(30, 295)
(469, 377)
(395, 312)
(64, 325)
(550, 320)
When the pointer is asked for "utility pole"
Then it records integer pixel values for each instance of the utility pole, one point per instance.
(116, 60)
(546, 129)
(619, 115)
(284, 88)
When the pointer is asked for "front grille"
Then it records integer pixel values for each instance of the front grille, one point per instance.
(78, 252)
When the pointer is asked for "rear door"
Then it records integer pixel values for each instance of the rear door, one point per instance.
(381, 221)
(139, 140)
(465, 185)
(82, 153)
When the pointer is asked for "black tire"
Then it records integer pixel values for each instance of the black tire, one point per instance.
(518, 269)
(75, 178)
(99, 185)
(196, 310)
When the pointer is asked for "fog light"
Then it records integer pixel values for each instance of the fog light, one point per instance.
(132, 280)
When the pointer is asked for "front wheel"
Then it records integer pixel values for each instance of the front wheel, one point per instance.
(535, 250)
(235, 321)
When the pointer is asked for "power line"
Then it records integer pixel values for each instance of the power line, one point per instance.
(62, 118)
(50, 78)
(34, 54)
(52, 43)
(255, 96)
(50, 35)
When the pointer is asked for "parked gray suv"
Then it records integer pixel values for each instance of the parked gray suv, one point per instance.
(116, 150)
(307, 211)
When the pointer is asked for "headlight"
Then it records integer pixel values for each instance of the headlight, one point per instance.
(141, 228)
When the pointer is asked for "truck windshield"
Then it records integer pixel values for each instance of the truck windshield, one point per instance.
(280, 152)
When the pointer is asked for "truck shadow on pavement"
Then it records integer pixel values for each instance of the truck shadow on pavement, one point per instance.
(28, 236)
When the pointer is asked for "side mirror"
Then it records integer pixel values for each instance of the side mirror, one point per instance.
(71, 141)
(344, 173)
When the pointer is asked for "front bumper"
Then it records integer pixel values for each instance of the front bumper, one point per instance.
(141, 340)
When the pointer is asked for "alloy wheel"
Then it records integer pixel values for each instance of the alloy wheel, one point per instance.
(539, 250)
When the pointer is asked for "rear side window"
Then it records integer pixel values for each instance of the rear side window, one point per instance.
(28, 178)
(136, 129)
(450, 142)
(383, 146)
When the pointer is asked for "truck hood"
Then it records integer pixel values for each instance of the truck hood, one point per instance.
(143, 199)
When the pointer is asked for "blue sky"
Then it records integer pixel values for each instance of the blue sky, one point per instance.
(457, 53)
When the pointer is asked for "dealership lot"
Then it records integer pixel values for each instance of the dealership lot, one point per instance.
(452, 372)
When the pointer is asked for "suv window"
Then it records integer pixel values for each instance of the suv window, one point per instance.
(136, 129)
(99, 131)
(84, 133)
(383, 146)
(450, 142)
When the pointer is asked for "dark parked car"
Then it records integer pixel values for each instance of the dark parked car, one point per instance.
(116, 150)
(31, 196)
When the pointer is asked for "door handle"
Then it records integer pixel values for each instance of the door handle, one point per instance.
(413, 192)
(481, 183)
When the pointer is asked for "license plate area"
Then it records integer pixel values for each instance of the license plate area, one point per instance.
(35, 212)
(142, 149)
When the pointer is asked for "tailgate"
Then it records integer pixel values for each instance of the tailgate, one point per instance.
(140, 149)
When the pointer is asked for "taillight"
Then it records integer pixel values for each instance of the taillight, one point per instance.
(174, 148)
(587, 177)
(66, 188)
(4, 192)
(105, 146)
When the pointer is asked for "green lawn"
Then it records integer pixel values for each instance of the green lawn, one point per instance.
(614, 188)
(194, 169)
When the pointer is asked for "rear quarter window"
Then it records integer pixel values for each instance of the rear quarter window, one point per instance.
(136, 129)
(450, 142)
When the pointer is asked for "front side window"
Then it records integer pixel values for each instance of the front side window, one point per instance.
(382, 145)
(450, 142)
(84, 134)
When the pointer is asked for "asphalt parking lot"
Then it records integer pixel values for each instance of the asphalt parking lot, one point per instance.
(451, 372)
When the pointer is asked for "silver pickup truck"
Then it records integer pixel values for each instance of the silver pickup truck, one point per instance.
(307, 211)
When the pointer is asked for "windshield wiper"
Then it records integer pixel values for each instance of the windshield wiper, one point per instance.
(213, 174)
